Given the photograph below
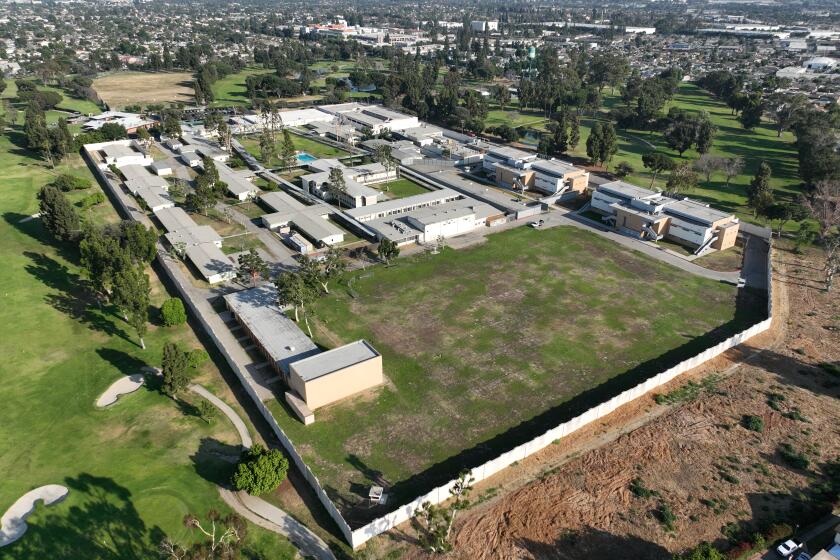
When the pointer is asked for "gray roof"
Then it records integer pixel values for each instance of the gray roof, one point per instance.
(236, 182)
(161, 164)
(281, 202)
(627, 190)
(154, 197)
(174, 218)
(401, 205)
(510, 153)
(333, 360)
(696, 211)
(147, 181)
(209, 260)
(135, 171)
(553, 166)
(119, 150)
(279, 336)
(194, 236)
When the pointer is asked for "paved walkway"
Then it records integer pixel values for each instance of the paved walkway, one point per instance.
(122, 386)
(13, 523)
(260, 512)
(238, 423)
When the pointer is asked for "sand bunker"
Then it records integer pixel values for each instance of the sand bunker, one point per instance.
(121, 386)
(13, 523)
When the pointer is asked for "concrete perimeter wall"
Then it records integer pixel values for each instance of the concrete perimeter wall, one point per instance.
(220, 335)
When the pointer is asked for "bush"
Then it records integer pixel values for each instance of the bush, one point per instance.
(197, 357)
(753, 423)
(92, 200)
(260, 470)
(173, 313)
(67, 183)
(665, 516)
(793, 458)
(637, 487)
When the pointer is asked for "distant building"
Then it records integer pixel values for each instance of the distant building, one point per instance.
(130, 121)
(482, 26)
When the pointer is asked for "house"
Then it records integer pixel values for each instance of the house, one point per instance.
(190, 159)
(213, 265)
(154, 198)
(237, 184)
(647, 214)
(193, 235)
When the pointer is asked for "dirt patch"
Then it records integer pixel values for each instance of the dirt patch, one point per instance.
(573, 500)
(143, 88)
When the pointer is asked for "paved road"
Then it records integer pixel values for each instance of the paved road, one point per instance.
(260, 512)
(238, 423)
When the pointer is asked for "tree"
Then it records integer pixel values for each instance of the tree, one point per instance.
(294, 290)
(759, 189)
(704, 551)
(337, 186)
(139, 241)
(172, 312)
(708, 164)
(593, 143)
(387, 250)
(171, 125)
(574, 132)
(501, 94)
(57, 214)
(251, 268)
(101, 256)
(609, 143)
(623, 169)
(203, 197)
(260, 470)
(657, 163)
(144, 136)
(831, 244)
(175, 369)
(288, 155)
(823, 204)
(706, 131)
(332, 267)
(436, 521)
(131, 295)
(785, 109)
(732, 167)
(382, 155)
(783, 212)
(206, 410)
(752, 112)
(681, 132)
(223, 539)
(682, 179)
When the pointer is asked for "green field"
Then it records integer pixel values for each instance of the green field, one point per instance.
(731, 140)
(133, 470)
(308, 145)
(69, 103)
(401, 188)
(477, 342)
(231, 90)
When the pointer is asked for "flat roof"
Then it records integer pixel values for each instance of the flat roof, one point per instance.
(510, 153)
(622, 188)
(175, 218)
(161, 164)
(195, 235)
(399, 204)
(279, 336)
(280, 201)
(154, 196)
(333, 360)
(134, 184)
(697, 211)
(554, 166)
(120, 150)
(208, 259)
(314, 227)
(236, 182)
(454, 209)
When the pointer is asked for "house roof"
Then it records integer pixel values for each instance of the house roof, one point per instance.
(209, 260)
(174, 219)
(322, 364)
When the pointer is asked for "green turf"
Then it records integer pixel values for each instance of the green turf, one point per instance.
(308, 145)
(475, 342)
(133, 470)
(401, 188)
(70, 103)
(231, 90)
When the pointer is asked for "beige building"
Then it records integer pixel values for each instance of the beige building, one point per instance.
(336, 374)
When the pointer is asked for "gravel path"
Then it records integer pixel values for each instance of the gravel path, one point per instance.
(13, 523)
(241, 427)
(259, 512)
(122, 386)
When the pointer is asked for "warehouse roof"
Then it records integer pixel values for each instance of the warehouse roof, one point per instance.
(327, 362)
(209, 260)
(279, 336)
(174, 218)
(195, 235)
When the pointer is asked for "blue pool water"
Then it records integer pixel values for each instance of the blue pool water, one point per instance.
(303, 156)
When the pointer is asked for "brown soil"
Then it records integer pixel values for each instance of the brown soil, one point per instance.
(573, 499)
(143, 88)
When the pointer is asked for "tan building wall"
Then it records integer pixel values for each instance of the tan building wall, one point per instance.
(579, 181)
(727, 235)
(634, 222)
(506, 176)
(339, 384)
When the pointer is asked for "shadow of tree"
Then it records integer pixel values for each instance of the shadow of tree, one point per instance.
(216, 461)
(103, 524)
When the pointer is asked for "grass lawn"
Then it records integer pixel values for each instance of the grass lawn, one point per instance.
(401, 188)
(302, 144)
(250, 209)
(215, 220)
(241, 243)
(725, 261)
(133, 470)
(478, 343)
(231, 89)
(70, 103)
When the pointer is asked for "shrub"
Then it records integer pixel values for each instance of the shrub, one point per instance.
(637, 487)
(92, 200)
(753, 423)
(665, 516)
(775, 400)
(793, 458)
(260, 470)
(197, 357)
(173, 313)
(67, 183)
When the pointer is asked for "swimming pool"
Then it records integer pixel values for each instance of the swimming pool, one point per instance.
(303, 156)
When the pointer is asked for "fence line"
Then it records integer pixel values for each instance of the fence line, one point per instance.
(440, 494)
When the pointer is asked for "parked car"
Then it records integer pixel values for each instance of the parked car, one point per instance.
(788, 548)
(803, 556)
(537, 224)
